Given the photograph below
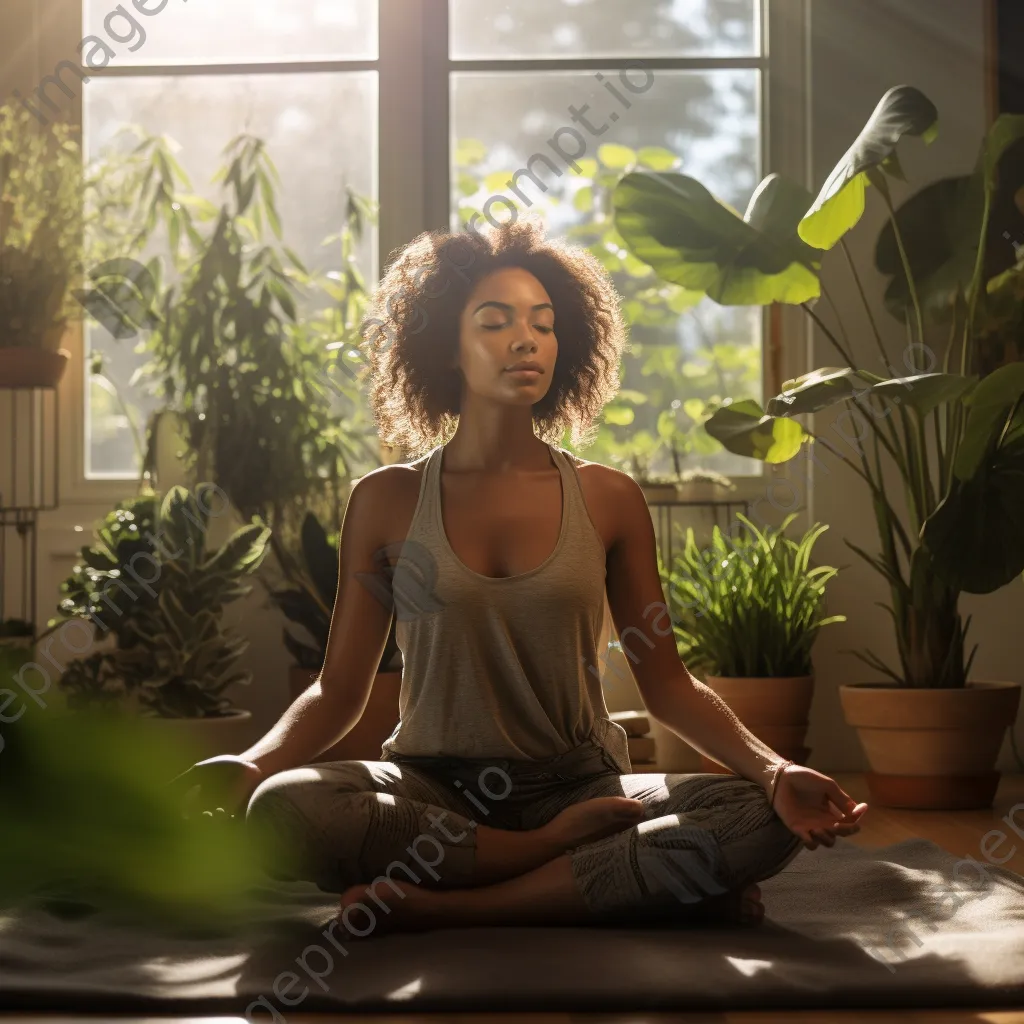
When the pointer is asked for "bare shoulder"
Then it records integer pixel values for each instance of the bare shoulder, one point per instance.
(388, 495)
(614, 499)
(606, 481)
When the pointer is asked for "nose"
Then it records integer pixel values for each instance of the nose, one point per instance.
(526, 342)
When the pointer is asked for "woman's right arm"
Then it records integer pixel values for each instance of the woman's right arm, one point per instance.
(358, 633)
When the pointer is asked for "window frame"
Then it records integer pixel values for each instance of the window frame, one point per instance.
(413, 69)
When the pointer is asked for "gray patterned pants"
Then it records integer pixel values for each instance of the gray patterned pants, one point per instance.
(415, 819)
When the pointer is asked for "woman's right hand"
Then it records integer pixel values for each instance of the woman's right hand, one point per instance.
(218, 785)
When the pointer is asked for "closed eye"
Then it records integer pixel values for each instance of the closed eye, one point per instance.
(500, 327)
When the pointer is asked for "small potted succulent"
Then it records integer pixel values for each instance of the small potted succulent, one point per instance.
(308, 604)
(746, 612)
(172, 658)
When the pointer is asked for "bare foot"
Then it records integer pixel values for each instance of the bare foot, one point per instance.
(593, 819)
(736, 907)
(408, 910)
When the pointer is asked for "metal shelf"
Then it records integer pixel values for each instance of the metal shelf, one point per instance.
(29, 485)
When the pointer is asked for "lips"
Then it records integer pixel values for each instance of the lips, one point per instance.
(520, 367)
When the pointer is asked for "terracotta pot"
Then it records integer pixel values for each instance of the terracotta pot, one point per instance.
(932, 748)
(380, 716)
(23, 367)
(774, 709)
(200, 738)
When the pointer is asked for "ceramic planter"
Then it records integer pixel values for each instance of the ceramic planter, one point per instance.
(378, 721)
(200, 738)
(774, 709)
(931, 748)
(24, 367)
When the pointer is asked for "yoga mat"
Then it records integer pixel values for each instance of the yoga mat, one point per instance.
(907, 925)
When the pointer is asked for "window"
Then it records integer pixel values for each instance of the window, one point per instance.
(282, 70)
(431, 107)
(549, 102)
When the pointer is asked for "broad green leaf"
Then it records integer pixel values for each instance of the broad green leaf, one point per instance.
(819, 389)
(940, 227)
(657, 158)
(1007, 130)
(674, 224)
(976, 534)
(469, 152)
(694, 408)
(618, 415)
(822, 388)
(925, 391)
(583, 200)
(743, 428)
(497, 181)
(903, 110)
(587, 166)
(681, 299)
(616, 157)
(988, 406)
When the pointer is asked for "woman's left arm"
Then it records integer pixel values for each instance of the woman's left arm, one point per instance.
(686, 706)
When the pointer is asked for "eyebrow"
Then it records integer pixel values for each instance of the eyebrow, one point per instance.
(506, 306)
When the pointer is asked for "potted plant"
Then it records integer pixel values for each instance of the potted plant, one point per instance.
(172, 658)
(746, 611)
(41, 195)
(308, 603)
(248, 379)
(931, 735)
(17, 633)
(700, 485)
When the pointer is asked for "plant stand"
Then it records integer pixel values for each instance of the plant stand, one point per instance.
(29, 474)
(665, 502)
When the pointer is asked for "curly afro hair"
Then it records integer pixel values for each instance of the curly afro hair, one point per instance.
(411, 333)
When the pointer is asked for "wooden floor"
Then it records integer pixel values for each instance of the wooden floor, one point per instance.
(959, 832)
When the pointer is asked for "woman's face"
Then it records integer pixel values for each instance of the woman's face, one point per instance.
(508, 320)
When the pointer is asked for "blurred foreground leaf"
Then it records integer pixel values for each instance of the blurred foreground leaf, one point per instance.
(89, 816)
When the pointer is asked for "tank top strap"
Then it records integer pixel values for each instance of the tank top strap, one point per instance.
(424, 517)
(574, 501)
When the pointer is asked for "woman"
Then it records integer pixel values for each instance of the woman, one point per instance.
(505, 794)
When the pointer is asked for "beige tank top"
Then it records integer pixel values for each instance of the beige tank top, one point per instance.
(502, 667)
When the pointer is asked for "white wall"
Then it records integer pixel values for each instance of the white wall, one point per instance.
(860, 49)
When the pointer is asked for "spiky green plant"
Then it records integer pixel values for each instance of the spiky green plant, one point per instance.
(749, 605)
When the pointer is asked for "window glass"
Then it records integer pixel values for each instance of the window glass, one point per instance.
(701, 123)
(603, 28)
(230, 31)
(316, 152)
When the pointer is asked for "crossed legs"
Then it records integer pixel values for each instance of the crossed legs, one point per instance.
(610, 847)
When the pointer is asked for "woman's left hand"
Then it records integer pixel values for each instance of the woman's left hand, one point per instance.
(814, 807)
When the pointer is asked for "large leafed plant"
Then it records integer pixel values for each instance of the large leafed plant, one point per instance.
(956, 440)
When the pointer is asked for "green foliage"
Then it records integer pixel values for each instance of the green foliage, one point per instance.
(310, 600)
(903, 110)
(42, 185)
(748, 605)
(49, 202)
(232, 356)
(172, 654)
(90, 823)
(675, 225)
(955, 442)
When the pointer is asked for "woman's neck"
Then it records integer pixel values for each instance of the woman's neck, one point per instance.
(496, 438)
